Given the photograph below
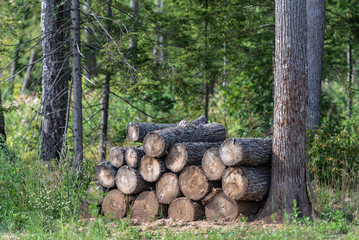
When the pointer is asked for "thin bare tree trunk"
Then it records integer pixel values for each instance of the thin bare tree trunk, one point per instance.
(349, 80)
(91, 64)
(76, 75)
(30, 66)
(315, 51)
(158, 51)
(2, 125)
(288, 188)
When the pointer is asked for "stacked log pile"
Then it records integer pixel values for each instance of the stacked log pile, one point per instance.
(186, 171)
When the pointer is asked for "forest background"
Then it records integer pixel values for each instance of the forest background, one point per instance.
(164, 62)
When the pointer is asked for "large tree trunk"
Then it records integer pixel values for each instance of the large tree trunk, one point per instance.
(129, 181)
(167, 188)
(186, 210)
(185, 154)
(212, 164)
(137, 131)
(156, 143)
(54, 79)
(246, 151)
(77, 79)
(194, 184)
(315, 51)
(30, 66)
(289, 161)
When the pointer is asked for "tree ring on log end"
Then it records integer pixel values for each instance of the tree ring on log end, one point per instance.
(176, 158)
(153, 144)
(234, 183)
(212, 165)
(150, 168)
(133, 132)
(106, 177)
(116, 157)
(193, 183)
(126, 180)
(231, 152)
(115, 204)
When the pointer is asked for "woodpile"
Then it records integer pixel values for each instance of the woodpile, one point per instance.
(186, 171)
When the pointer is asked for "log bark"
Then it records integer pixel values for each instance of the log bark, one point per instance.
(194, 184)
(167, 188)
(246, 183)
(105, 174)
(137, 131)
(115, 204)
(117, 156)
(220, 207)
(146, 207)
(156, 143)
(186, 210)
(129, 181)
(246, 151)
(188, 153)
(249, 208)
(151, 168)
(133, 156)
(212, 165)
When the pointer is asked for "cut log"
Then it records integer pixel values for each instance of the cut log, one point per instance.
(105, 174)
(185, 209)
(115, 204)
(167, 188)
(133, 156)
(117, 156)
(246, 151)
(220, 207)
(156, 143)
(151, 168)
(248, 208)
(246, 183)
(146, 207)
(137, 131)
(187, 153)
(194, 184)
(95, 193)
(212, 165)
(129, 181)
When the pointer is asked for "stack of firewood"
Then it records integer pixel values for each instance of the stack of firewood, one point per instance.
(185, 171)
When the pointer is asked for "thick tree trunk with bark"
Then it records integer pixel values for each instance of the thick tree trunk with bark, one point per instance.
(185, 154)
(152, 168)
(105, 174)
(194, 184)
(147, 208)
(186, 210)
(117, 156)
(212, 165)
(115, 204)
(54, 80)
(156, 143)
(289, 161)
(246, 183)
(246, 151)
(77, 80)
(129, 181)
(167, 188)
(133, 156)
(29, 68)
(315, 51)
(220, 207)
(137, 131)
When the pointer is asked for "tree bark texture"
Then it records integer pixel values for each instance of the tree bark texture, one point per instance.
(289, 160)
(167, 188)
(188, 153)
(137, 131)
(152, 168)
(315, 51)
(246, 151)
(194, 184)
(105, 174)
(220, 207)
(2, 125)
(129, 181)
(212, 165)
(146, 207)
(29, 68)
(133, 156)
(115, 204)
(77, 80)
(246, 183)
(54, 79)
(117, 156)
(186, 210)
(156, 143)
(90, 59)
